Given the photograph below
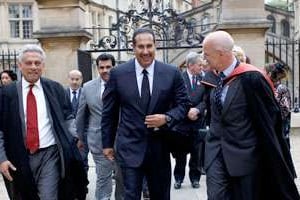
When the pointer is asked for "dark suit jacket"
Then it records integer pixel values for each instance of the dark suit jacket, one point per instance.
(232, 133)
(121, 96)
(68, 92)
(13, 127)
(196, 97)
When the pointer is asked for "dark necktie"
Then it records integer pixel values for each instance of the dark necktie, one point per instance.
(194, 81)
(145, 92)
(74, 102)
(218, 92)
(32, 137)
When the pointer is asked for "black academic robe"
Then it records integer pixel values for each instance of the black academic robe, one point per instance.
(277, 171)
(74, 180)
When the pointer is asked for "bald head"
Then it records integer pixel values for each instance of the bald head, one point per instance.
(220, 40)
(75, 79)
(217, 47)
(75, 72)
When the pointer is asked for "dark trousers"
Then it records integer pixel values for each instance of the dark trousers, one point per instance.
(156, 167)
(196, 150)
(11, 190)
(84, 153)
(119, 186)
(45, 167)
(220, 185)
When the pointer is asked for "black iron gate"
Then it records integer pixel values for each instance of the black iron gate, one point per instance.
(8, 60)
(286, 51)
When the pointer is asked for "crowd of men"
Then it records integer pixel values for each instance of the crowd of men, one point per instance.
(229, 116)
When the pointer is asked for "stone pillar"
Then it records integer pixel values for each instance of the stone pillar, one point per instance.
(246, 22)
(61, 33)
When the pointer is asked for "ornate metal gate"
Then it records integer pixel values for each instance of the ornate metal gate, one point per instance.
(173, 31)
(286, 51)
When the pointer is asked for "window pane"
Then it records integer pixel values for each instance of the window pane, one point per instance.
(14, 29)
(27, 29)
(26, 11)
(14, 11)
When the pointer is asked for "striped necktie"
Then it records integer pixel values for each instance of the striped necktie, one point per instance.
(218, 92)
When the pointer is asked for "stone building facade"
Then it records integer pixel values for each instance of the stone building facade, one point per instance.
(63, 26)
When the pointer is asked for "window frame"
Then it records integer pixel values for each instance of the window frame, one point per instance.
(19, 30)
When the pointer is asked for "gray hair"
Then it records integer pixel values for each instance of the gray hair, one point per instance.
(31, 48)
(193, 58)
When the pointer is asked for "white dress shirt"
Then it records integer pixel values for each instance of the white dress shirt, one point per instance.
(139, 75)
(71, 92)
(46, 136)
(102, 86)
(190, 77)
(227, 72)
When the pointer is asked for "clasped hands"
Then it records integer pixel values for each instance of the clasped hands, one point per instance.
(151, 121)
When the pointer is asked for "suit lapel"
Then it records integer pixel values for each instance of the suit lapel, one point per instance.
(187, 81)
(97, 86)
(132, 86)
(68, 92)
(229, 96)
(155, 87)
(21, 107)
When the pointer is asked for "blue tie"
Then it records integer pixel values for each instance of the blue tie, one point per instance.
(74, 102)
(218, 92)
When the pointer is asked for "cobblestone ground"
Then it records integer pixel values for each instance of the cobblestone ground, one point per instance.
(186, 192)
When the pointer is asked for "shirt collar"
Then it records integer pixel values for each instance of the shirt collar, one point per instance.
(139, 69)
(75, 90)
(25, 84)
(189, 74)
(230, 69)
(102, 82)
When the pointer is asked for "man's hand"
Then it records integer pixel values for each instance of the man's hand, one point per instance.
(193, 114)
(4, 168)
(109, 153)
(155, 121)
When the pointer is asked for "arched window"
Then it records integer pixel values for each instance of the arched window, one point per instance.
(273, 21)
(285, 28)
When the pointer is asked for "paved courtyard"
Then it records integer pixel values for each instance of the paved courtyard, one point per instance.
(186, 192)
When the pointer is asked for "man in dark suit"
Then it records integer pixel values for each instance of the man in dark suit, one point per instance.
(142, 99)
(74, 89)
(246, 157)
(37, 151)
(73, 94)
(187, 131)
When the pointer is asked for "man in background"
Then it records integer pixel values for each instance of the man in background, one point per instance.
(187, 131)
(88, 124)
(74, 89)
(73, 93)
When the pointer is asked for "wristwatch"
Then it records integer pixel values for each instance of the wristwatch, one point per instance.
(168, 120)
